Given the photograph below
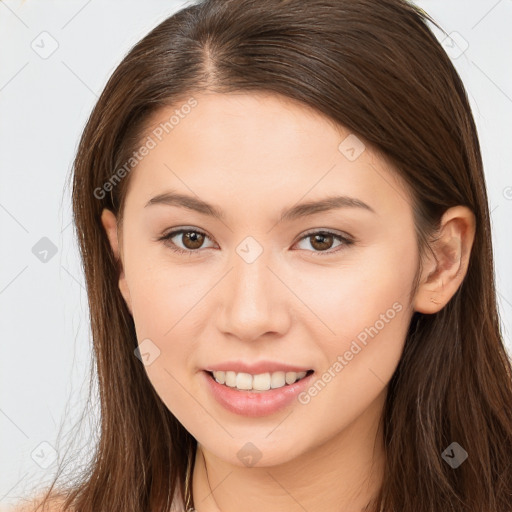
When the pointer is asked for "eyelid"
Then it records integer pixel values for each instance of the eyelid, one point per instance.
(341, 234)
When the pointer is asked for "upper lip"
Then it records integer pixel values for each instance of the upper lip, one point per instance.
(256, 368)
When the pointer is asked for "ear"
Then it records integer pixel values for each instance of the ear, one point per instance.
(443, 274)
(109, 221)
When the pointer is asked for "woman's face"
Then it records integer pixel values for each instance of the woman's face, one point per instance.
(267, 282)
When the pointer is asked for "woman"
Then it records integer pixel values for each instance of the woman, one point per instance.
(283, 220)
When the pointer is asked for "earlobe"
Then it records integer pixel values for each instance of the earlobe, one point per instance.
(109, 222)
(446, 268)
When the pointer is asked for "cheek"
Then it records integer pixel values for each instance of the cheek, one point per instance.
(164, 303)
(368, 311)
(355, 294)
(365, 312)
(163, 293)
(165, 307)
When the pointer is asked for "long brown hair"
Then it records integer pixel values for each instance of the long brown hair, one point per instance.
(376, 68)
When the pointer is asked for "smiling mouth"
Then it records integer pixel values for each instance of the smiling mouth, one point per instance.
(257, 383)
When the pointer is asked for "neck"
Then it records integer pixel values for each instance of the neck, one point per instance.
(342, 474)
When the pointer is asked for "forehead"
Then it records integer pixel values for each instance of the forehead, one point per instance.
(258, 120)
(256, 149)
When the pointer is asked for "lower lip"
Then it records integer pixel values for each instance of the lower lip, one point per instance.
(256, 404)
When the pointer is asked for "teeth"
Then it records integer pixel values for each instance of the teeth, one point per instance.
(260, 382)
(277, 380)
(290, 377)
(243, 381)
(230, 379)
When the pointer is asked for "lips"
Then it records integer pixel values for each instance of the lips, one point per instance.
(255, 403)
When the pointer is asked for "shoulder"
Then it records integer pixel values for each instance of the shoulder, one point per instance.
(54, 504)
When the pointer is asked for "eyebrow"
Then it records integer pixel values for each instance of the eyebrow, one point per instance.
(293, 213)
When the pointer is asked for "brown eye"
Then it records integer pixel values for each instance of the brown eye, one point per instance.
(321, 242)
(188, 241)
(192, 239)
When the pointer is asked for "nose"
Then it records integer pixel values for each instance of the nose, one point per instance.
(253, 301)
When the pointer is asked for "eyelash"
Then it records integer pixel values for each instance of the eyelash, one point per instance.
(347, 242)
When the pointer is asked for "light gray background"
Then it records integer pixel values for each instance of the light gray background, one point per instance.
(44, 104)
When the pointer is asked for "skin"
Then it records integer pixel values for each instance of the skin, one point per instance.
(253, 155)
